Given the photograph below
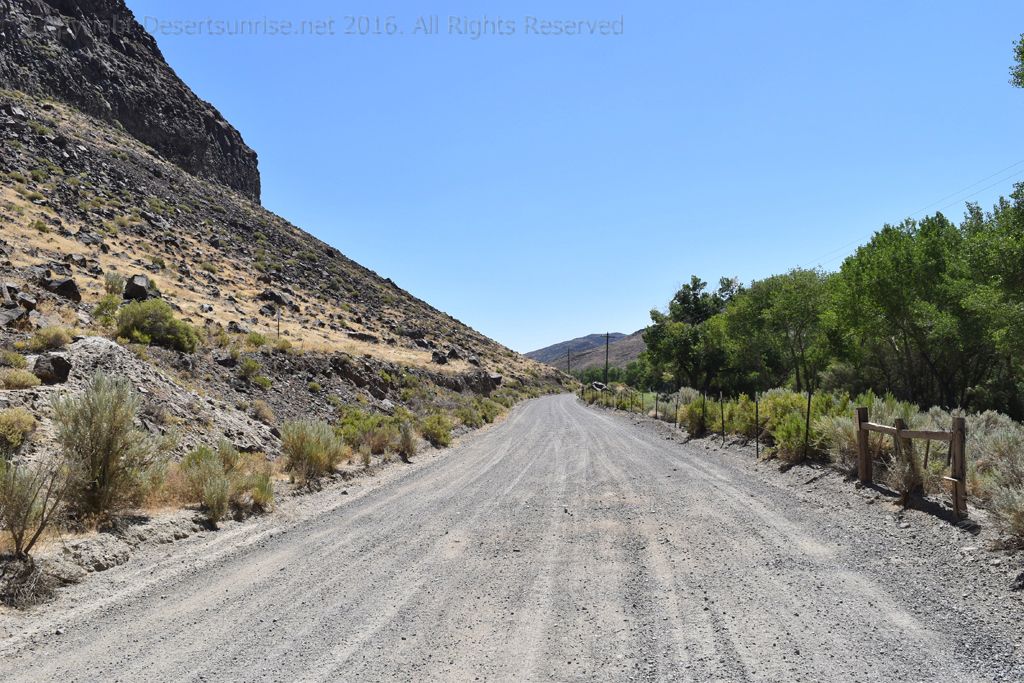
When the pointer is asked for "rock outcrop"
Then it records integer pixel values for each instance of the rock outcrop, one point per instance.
(94, 55)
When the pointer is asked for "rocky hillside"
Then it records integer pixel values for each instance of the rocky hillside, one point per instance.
(106, 191)
(93, 55)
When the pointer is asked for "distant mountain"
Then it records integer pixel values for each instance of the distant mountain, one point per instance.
(620, 353)
(555, 354)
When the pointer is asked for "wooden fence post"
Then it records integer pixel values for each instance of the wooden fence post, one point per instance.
(863, 452)
(807, 425)
(721, 408)
(959, 467)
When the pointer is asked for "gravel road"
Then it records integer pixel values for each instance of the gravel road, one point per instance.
(565, 544)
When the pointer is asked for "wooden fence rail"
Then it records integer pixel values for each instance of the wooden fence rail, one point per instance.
(956, 438)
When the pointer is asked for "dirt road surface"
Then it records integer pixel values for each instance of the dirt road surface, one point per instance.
(565, 544)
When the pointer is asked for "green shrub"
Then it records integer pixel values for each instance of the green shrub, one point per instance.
(696, 417)
(226, 478)
(215, 497)
(105, 311)
(11, 359)
(407, 444)
(359, 428)
(11, 378)
(48, 339)
(112, 464)
(256, 340)
(15, 425)
(437, 429)
(489, 410)
(788, 433)
(469, 416)
(314, 387)
(153, 322)
(248, 368)
(263, 383)
(311, 450)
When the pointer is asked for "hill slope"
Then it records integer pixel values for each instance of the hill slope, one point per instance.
(556, 353)
(85, 196)
(622, 350)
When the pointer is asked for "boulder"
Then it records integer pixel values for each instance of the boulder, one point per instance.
(51, 368)
(10, 316)
(274, 296)
(140, 288)
(364, 337)
(226, 361)
(66, 287)
(27, 302)
(439, 358)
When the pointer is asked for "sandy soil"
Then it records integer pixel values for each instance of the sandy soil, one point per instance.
(565, 544)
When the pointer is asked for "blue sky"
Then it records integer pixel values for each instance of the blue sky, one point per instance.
(543, 187)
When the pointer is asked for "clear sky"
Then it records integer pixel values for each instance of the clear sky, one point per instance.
(542, 187)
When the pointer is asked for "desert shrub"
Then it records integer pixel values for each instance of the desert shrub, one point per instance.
(469, 416)
(31, 498)
(113, 283)
(153, 322)
(11, 359)
(105, 311)
(698, 416)
(437, 429)
(256, 340)
(777, 405)
(262, 411)
(263, 383)
(314, 387)
(311, 449)
(48, 339)
(407, 444)
(249, 368)
(360, 428)
(112, 464)
(788, 434)
(224, 478)
(902, 472)
(215, 497)
(282, 345)
(489, 410)
(739, 416)
(11, 378)
(15, 425)
(837, 434)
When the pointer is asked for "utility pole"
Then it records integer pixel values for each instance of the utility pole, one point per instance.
(568, 361)
(607, 335)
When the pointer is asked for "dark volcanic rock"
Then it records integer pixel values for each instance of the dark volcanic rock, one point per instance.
(66, 288)
(94, 55)
(140, 288)
(9, 316)
(52, 369)
(439, 357)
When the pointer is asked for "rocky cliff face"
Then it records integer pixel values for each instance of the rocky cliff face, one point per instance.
(94, 55)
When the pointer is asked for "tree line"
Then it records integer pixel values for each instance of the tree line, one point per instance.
(930, 311)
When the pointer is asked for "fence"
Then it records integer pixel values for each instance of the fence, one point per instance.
(956, 437)
(957, 459)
